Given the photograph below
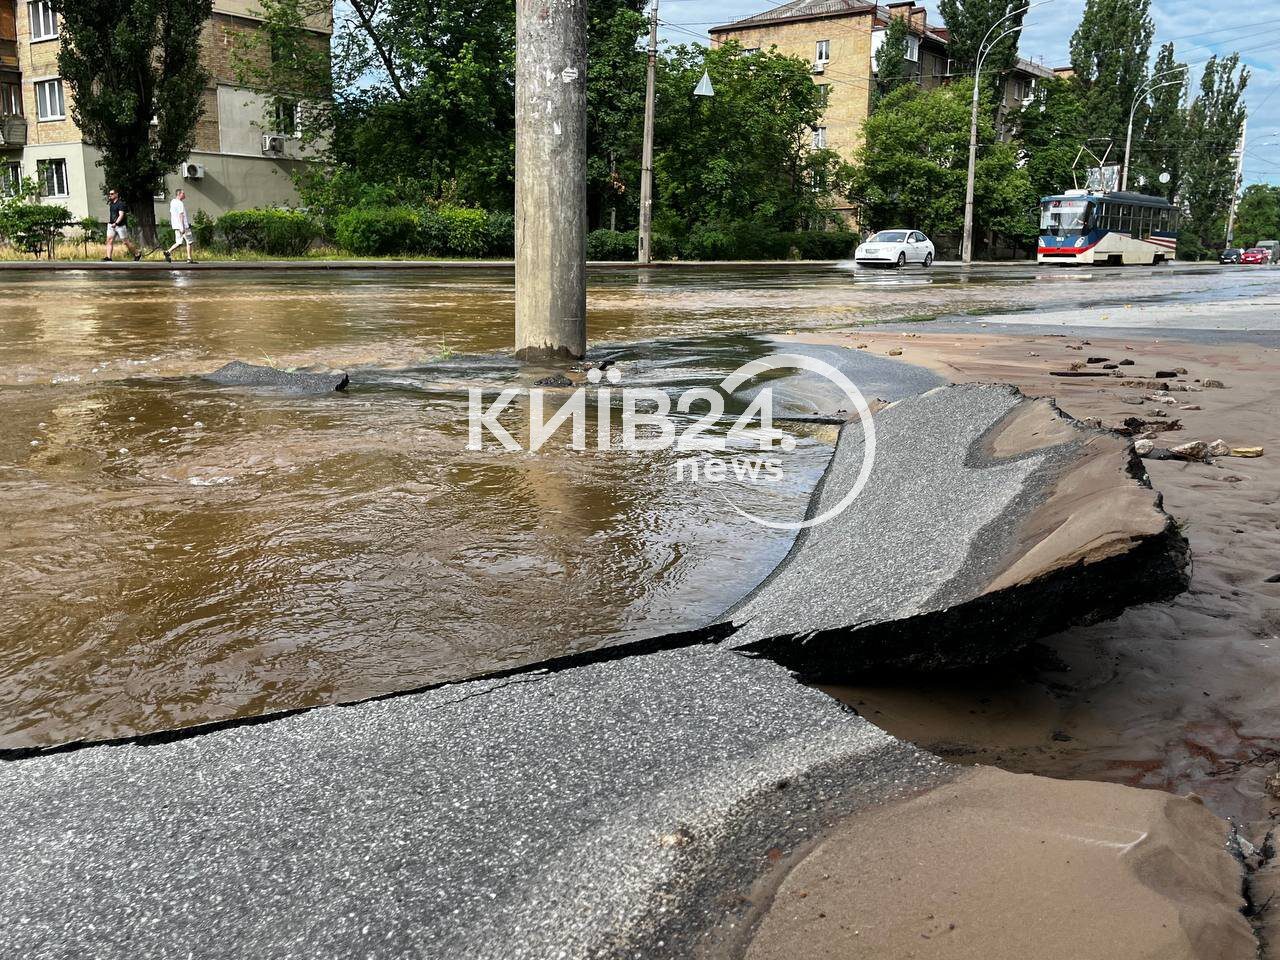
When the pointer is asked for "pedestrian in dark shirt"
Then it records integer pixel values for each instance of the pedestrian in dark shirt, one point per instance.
(118, 226)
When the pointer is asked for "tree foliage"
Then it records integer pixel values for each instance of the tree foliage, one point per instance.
(136, 83)
(28, 224)
(288, 58)
(1109, 53)
(970, 21)
(1214, 124)
(892, 70)
(1258, 216)
(912, 169)
(1051, 128)
(1163, 135)
(746, 154)
(425, 93)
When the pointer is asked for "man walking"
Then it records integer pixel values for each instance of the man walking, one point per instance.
(182, 232)
(118, 227)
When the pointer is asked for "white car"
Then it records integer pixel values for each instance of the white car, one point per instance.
(895, 248)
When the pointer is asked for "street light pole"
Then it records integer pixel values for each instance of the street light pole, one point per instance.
(1235, 183)
(1145, 91)
(645, 252)
(984, 48)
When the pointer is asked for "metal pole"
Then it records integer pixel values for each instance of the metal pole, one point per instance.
(966, 250)
(966, 245)
(1143, 92)
(1128, 146)
(645, 252)
(551, 179)
(1235, 185)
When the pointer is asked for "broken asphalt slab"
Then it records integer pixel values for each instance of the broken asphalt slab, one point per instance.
(240, 374)
(605, 810)
(622, 806)
(989, 520)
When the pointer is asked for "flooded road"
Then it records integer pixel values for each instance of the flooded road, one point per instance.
(178, 553)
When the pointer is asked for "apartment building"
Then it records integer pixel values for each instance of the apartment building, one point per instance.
(242, 157)
(842, 39)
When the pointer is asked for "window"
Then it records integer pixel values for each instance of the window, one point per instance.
(823, 53)
(750, 51)
(10, 99)
(913, 49)
(288, 118)
(10, 178)
(50, 104)
(44, 22)
(824, 95)
(52, 175)
(819, 138)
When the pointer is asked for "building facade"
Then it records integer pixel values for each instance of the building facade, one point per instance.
(841, 39)
(242, 157)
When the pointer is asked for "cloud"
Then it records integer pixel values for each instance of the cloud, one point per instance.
(1047, 36)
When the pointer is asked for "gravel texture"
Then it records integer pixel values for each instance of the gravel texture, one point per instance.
(602, 810)
(913, 528)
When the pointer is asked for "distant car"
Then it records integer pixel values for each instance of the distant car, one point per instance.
(895, 248)
(1255, 255)
(1232, 255)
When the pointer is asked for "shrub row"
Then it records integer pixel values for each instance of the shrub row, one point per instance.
(365, 231)
(281, 233)
(433, 231)
(445, 231)
(742, 241)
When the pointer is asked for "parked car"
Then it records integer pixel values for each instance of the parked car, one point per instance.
(895, 248)
(1256, 255)
(1230, 255)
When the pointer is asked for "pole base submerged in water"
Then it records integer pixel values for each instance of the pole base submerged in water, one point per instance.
(551, 179)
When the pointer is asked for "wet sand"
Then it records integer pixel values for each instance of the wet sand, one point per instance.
(1002, 867)
(1178, 696)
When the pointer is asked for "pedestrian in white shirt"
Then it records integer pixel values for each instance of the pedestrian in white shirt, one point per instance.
(182, 231)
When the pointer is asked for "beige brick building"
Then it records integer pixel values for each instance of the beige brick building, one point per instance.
(841, 39)
(241, 157)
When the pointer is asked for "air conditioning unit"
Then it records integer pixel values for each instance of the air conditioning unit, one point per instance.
(193, 171)
(272, 144)
(819, 68)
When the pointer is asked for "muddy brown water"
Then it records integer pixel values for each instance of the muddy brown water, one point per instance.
(178, 553)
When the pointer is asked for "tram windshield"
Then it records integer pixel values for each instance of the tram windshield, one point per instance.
(1059, 217)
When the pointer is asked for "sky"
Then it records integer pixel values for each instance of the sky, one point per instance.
(1198, 28)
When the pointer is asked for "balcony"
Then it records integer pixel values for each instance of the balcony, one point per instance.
(13, 131)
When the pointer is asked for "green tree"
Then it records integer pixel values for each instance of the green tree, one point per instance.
(420, 100)
(1163, 135)
(1051, 129)
(969, 22)
(1214, 124)
(1258, 215)
(615, 110)
(912, 169)
(290, 60)
(136, 83)
(435, 106)
(892, 66)
(746, 155)
(1109, 54)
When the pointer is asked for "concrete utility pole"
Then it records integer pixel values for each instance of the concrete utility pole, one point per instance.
(1145, 91)
(551, 179)
(645, 252)
(984, 48)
